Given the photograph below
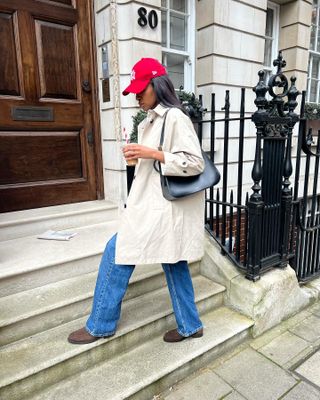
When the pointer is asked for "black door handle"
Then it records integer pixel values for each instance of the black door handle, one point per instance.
(86, 86)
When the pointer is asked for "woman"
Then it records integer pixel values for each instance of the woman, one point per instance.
(153, 229)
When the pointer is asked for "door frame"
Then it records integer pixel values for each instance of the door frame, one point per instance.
(96, 105)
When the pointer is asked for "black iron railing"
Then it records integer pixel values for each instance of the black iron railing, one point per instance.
(305, 227)
(226, 216)
(254, 232)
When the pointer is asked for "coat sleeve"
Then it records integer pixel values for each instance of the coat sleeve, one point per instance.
(182, 151)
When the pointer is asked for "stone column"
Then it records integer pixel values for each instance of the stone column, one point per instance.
(295, 22)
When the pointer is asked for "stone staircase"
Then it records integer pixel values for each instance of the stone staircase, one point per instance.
(46, 292)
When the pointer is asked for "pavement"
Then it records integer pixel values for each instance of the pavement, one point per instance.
(283, 363)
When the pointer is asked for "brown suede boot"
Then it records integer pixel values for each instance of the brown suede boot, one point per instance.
(173, 336)
(81, 336)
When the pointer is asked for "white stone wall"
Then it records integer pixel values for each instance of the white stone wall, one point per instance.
(295, 21)
(229, 53)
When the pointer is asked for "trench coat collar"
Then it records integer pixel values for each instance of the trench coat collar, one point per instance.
(158, 110)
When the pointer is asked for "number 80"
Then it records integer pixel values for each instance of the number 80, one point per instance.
(146, 18)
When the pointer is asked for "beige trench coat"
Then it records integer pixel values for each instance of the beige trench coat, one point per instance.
(153, 229)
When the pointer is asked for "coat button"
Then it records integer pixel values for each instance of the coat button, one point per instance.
(184, 163)
(184, 171)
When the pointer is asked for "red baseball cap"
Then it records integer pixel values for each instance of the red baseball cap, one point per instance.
(142, 73)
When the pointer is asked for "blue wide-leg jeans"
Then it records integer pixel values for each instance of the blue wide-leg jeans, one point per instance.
(111, 286)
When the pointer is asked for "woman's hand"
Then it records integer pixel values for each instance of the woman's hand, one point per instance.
(134, 150)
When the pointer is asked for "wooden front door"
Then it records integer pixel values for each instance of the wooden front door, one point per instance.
(48, 110)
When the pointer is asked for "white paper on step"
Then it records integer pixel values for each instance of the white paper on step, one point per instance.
(57, 235)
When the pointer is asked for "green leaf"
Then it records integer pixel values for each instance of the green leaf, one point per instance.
(188, 101)
(137, 118)
(312, 111)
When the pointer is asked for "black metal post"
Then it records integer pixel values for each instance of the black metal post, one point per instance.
(200, 126)
(286, 198)
(230, 249)
(255, 209)
(255, 203)
(294, 228)
(218, 214)
(226, 109)
(240, 173)
(246, 229)
(312, 243)
(268, 241)
(212, 143)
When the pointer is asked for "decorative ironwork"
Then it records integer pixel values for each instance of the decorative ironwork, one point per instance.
(270, 209)
(279, 79)
(226, 217)
(275, 130)
(255, 234)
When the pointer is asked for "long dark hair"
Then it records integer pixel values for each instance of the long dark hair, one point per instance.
(165, 92)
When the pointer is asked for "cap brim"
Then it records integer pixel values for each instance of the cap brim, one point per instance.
(136, 87)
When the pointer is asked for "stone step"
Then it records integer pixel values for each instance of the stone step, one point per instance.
(155, 365)
(28, 262)
(34, 363)
(26, 313)
(67, 216)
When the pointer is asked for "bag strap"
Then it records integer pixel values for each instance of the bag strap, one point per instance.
(158, 169)
(155, 162)
(162, 131)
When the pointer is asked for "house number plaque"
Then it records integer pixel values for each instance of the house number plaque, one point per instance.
(146, 18)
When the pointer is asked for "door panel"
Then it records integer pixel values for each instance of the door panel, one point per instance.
(59, 72)
(9, 77)
(39, 157)
(45, 114)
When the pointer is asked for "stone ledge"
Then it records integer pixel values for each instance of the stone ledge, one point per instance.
(274, 298)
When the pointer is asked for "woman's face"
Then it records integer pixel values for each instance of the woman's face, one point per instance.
(147, 98)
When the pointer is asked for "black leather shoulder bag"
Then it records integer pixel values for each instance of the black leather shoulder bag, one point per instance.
(176, 187)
